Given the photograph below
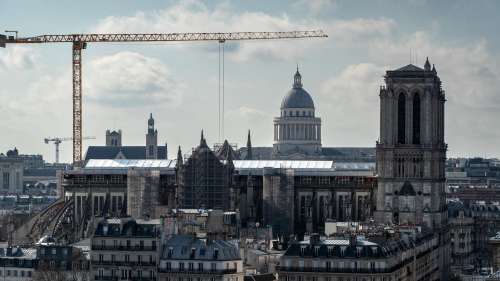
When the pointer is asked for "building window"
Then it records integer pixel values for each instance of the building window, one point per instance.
(6, 176)
(401, 118)
(416, 119)
(181, 266)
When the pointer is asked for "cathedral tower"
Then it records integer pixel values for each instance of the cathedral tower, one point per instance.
(113, 138)
(151, 139)
(411, 151)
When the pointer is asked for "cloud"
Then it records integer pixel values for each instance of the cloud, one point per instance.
(194, 16)
(129, 79)
(247, 113)
(17, 57)
(350, 98)
(316, 6)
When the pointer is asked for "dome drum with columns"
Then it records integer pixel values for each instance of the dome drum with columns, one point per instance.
(297, 131)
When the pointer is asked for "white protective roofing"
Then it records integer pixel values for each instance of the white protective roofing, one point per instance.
(283, 164)
(246, 166)
(125, 163)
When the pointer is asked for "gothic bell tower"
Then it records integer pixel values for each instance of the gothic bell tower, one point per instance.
(411, 151)
(151, 139)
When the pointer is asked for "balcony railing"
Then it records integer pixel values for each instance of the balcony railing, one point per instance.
(197, 271)
(336, 269)
(123, 263)
(123, 248)
(116, 278)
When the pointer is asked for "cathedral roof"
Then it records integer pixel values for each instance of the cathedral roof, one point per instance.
(129, 152)
(410, 67)
(297, 97)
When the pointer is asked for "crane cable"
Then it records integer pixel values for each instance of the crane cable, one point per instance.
(221, 97)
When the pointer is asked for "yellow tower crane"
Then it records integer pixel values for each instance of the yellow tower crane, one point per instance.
(79, 43)
(58, 141)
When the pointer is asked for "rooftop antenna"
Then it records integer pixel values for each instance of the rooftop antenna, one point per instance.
(410, 55)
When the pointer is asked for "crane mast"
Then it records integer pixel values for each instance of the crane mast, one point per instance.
(79, 43)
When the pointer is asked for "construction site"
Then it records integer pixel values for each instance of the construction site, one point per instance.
(69, 218)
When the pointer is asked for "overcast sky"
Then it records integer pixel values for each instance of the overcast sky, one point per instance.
(177, 82)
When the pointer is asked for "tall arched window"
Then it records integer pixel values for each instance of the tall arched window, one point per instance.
(416, 119)
(401, 118)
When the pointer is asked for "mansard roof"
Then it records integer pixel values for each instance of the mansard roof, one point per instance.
(187, 247)
(129, 152)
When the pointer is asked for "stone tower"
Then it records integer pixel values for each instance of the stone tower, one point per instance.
(249, 155)
(411, 151)
(151, 139)
(113, 138)
(297, 131)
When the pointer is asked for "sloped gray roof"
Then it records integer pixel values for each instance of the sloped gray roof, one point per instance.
(187, 247)
(129, 152)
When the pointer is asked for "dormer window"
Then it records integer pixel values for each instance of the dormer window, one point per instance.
(330, 251)
(302, 250)
(358, 251)
(342, 251)
(170, 252)
(316, 251)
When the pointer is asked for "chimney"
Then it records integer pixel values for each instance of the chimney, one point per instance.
(314, 238)
(352, 239)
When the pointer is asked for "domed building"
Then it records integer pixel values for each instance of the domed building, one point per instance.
(297, 132)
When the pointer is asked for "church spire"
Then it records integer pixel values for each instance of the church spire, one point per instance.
(434, 69)
(229, 156)
(203, 142)
(427, 65)
(179, 157)
(151, 124)
(297, 79)
(249, 148)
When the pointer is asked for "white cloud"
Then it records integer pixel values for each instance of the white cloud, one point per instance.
(247, 113)
(128, 79)
(194, 16)
(17, 57)
(351, 99)
(316, 6)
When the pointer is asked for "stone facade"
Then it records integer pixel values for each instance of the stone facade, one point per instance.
(114, 138)
(404, 258)
(411, 151)
(125, 249)
(11, 175)
(184, 257)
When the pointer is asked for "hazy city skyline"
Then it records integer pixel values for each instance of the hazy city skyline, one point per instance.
(177, 82)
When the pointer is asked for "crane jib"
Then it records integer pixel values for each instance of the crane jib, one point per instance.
(152, 37)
